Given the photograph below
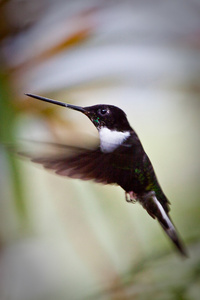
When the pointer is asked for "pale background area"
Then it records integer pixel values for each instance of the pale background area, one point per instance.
(66, 239)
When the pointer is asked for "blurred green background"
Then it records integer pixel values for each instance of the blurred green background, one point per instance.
(66, 239)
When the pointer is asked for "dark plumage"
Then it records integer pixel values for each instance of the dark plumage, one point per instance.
(119, 159)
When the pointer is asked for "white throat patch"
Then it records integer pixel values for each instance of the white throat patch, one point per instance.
(111, 139)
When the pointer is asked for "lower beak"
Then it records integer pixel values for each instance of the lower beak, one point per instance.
(78, 108)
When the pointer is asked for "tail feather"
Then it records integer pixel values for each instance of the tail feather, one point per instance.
(156, 210)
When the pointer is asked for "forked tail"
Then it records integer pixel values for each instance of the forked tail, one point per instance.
(156, 211)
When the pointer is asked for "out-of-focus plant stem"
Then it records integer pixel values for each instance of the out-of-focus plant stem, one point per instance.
(7, 135)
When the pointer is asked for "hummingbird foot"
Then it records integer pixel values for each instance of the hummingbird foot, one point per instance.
(131, 197)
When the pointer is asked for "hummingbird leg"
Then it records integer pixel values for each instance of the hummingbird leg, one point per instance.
(131, 197)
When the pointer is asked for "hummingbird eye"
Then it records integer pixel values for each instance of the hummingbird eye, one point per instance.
(103, 111)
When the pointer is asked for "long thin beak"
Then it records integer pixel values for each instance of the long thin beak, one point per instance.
(78, 108)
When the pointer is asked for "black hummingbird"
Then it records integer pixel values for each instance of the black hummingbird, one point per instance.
(119, 159)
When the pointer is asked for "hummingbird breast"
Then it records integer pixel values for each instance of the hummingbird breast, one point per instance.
(132, 168)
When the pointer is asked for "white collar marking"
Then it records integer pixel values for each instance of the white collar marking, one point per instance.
(111, 139)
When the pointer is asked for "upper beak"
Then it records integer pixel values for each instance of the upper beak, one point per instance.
(78, 108)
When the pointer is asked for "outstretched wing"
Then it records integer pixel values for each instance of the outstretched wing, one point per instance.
(85, 165)
(74, 162)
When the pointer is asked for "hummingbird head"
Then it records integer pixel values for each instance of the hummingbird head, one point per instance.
(101, 115)
(107, 116)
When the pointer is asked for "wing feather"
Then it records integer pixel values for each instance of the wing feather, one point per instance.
(75, 162)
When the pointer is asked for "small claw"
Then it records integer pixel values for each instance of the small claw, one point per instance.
(131, 197)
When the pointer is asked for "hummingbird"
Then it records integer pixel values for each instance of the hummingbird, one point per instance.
(119, 159)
